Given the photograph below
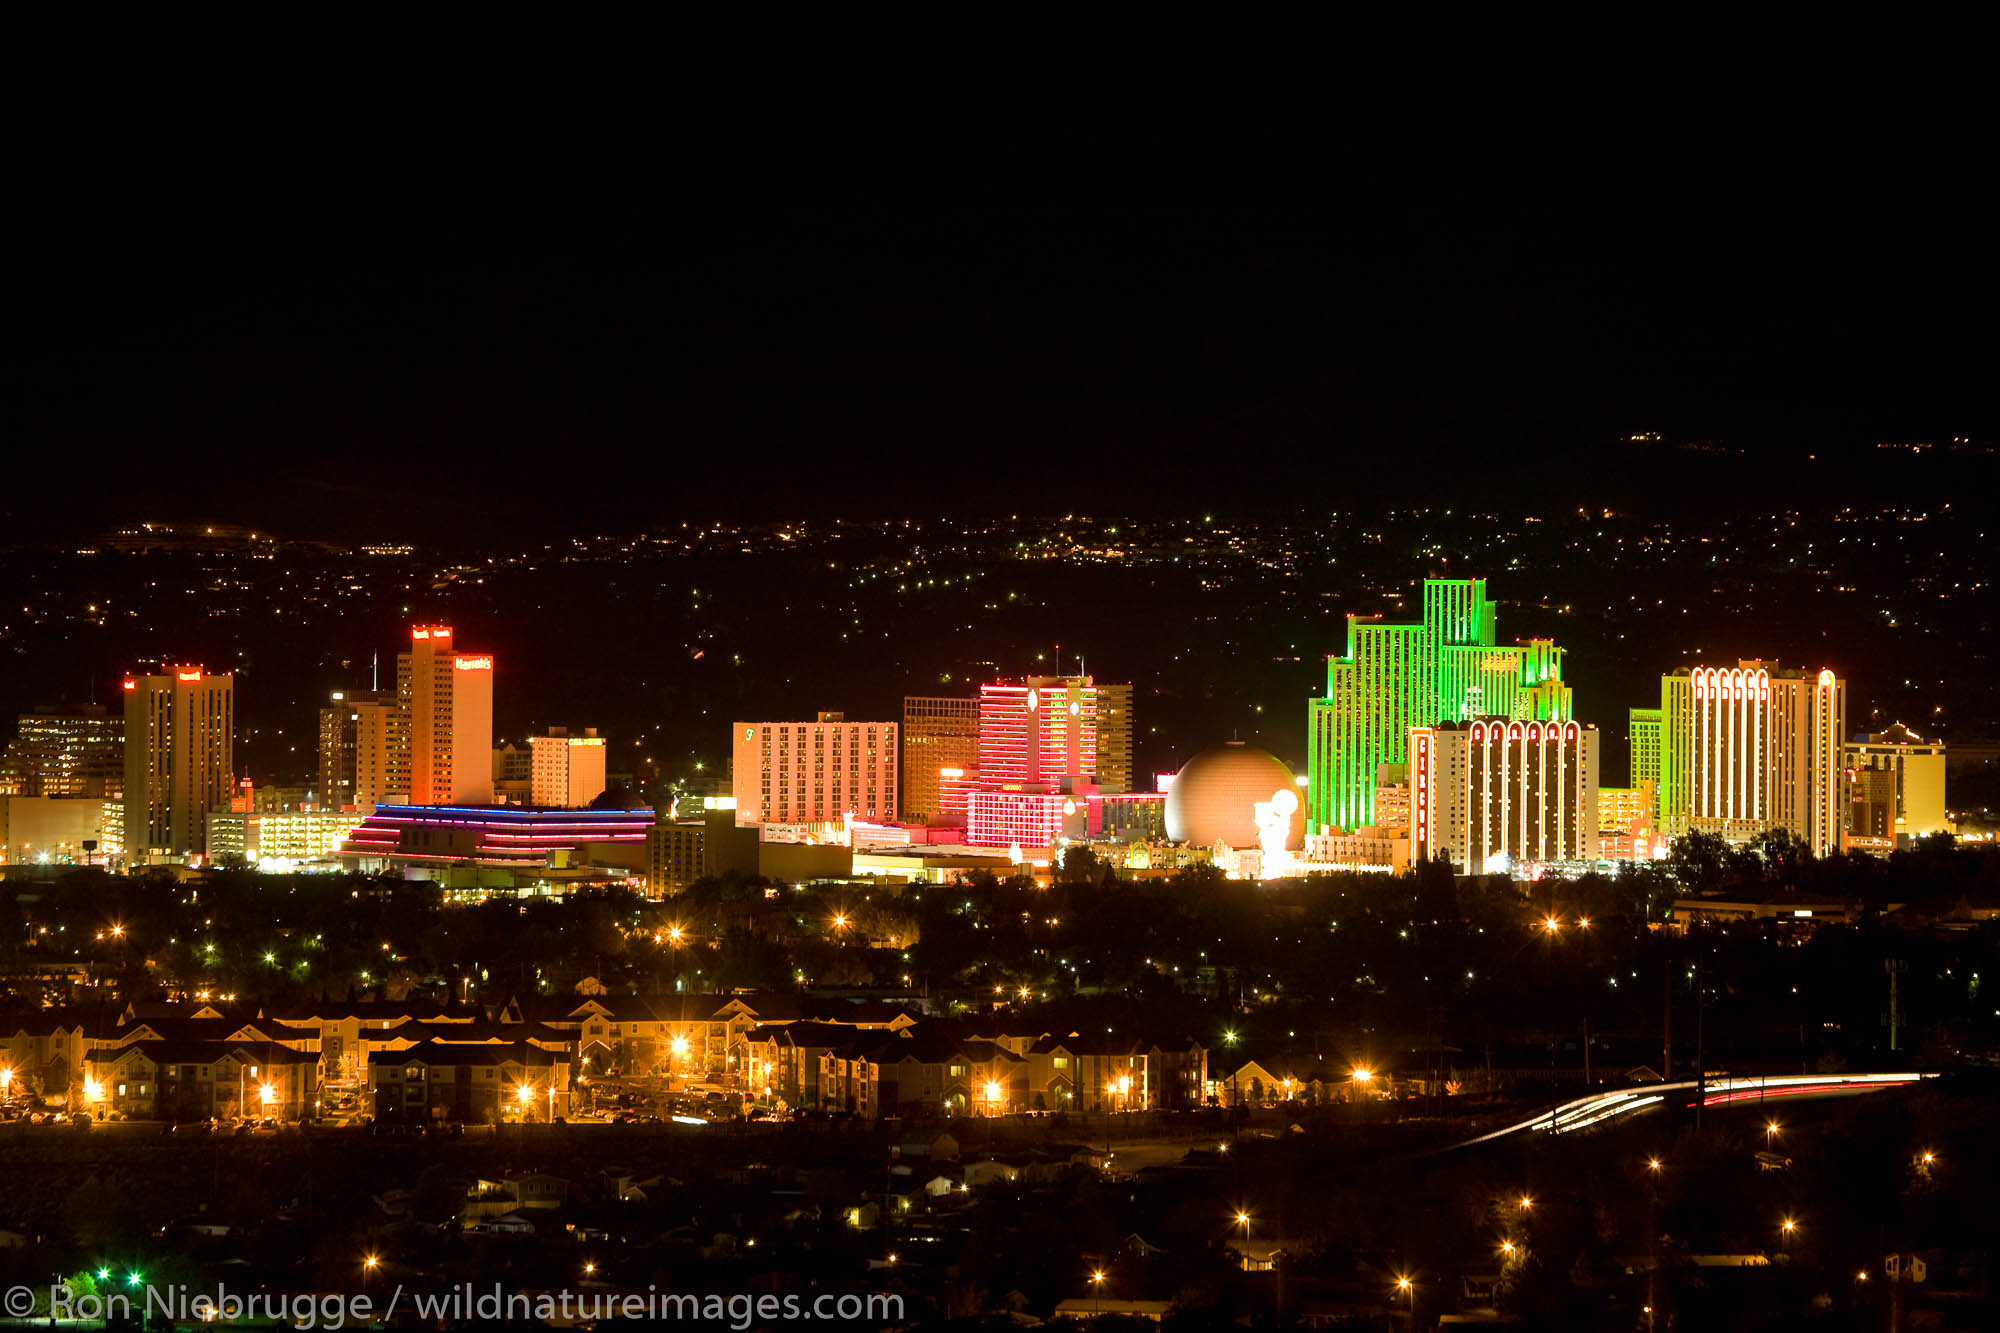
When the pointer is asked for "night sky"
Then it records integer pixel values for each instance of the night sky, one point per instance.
(325, 342)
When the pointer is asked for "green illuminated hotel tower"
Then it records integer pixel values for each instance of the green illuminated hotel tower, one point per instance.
(1448, 668)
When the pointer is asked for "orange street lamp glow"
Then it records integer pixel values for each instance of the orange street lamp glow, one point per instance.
(1551, 925)
(1243, 1220)
(1652, 1164)
(1929, 1157)
(1527, 1202)
(370, 1262)
(1363, 1075)
(1790, 1226)
(525, 1095)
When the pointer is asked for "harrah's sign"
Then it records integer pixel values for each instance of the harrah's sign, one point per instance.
(473, 663)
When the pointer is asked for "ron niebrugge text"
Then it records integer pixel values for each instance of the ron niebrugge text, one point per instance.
(337, 1310)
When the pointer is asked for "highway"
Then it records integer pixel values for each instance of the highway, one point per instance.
(1605, 1107)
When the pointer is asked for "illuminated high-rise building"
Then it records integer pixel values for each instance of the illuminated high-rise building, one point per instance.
(1643, 727)
(357, 744)
(940, 736)
(66, 752)
(445, 696)
(814, 772)
(1037, 736)
(1753, 747)
(1115, 723)
(1494, 788)
(180, 730)
(1038, 731)
(1896, 781)
(1448, 667)
(566, 772)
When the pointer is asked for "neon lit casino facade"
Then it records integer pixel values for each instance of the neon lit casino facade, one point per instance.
(1494, 788)
(1753, 747)
(1449, 667)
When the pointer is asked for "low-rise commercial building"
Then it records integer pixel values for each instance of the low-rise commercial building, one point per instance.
(292, 835)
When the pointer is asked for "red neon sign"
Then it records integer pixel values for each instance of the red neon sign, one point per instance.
(1423, 787)
(188, 675)
(131, 684)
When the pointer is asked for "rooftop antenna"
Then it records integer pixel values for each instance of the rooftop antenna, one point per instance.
(1058, 659)
(375, 672)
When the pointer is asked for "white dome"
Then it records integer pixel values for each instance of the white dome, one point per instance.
(1215, 795)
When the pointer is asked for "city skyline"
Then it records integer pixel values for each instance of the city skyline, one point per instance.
(1260, 748)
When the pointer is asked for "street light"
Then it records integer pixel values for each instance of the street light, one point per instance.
(1097, 1291)
(267, 1093)
(1243, 1220)
(1551, 924)
(1653, 1165)
(1527, 1201)
(993, 1091)
(526, 1097)
(1770, 1132)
